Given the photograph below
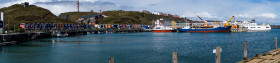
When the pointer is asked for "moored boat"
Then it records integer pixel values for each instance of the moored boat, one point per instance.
(217, 29)
(161, 28)
(255, 27)
(225, 28)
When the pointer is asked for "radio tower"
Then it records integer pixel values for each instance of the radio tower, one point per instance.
(78, 9)
(78, 5)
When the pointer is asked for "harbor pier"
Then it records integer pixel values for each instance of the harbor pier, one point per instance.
(13, 38)
(269, 57)
(239, 30)
(275, 26)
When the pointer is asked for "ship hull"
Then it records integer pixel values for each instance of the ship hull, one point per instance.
(218, 29)
(258, 30)
(162, 30)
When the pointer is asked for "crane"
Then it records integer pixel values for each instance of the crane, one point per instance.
(205, 23)
(227, 24)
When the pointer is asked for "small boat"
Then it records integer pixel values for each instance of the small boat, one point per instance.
(66, 34)
(161, 28)
(88, 33)
(58, 34)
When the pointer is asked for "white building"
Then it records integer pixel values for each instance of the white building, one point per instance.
(156, 13)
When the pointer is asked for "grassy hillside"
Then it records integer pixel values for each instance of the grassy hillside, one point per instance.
(75, 15)
(16, 14)
(122, 17)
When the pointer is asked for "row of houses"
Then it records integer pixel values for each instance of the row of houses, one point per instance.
(130, 26)
(55, 26)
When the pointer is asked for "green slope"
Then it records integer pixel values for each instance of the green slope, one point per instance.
(122, 17)
(16, 14)
(75, 15)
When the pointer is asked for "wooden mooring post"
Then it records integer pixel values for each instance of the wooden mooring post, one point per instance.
(275, 43)
(174, 57)
(218, 54)
(111, 60)
(245, 51)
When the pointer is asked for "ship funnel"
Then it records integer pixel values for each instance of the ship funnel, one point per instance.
(268, 25)
(2, 16)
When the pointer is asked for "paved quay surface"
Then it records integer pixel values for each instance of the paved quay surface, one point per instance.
(269, 57)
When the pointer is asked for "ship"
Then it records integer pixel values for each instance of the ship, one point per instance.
(159, 27)
(207, 28)
(217, 29)
(252, 26)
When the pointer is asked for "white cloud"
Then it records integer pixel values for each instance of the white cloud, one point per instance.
(185, 8)
(201, 14)
(206, 14)
(262, 15)
(267, 15)
(57, 9)
(12, 2)
(70, 6)
(60, 6)
(244, 16)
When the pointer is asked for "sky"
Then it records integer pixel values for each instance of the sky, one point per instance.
(264, 11)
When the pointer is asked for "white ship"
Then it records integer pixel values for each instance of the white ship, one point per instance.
(159, 27)
(252, 26)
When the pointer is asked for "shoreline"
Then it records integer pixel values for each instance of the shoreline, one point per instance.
(14, 38)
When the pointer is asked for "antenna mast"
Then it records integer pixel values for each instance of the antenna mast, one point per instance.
(78, 5)
(78, 9)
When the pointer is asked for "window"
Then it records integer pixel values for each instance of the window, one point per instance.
(259, 27)
(253, 27)
(157, 27)
(267, 27)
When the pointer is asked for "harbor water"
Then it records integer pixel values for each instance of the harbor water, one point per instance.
(143, 47)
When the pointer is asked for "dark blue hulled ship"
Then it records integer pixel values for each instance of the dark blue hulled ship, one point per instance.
(207, 28)
(217, 29)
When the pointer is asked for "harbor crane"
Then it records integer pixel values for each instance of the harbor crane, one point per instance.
(205, 25)
(227, 23)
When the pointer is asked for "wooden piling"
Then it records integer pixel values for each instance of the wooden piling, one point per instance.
(275, 43)
(175, 57)
(218, 54)
(1, 44)
(245, 51)
(111, 60)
